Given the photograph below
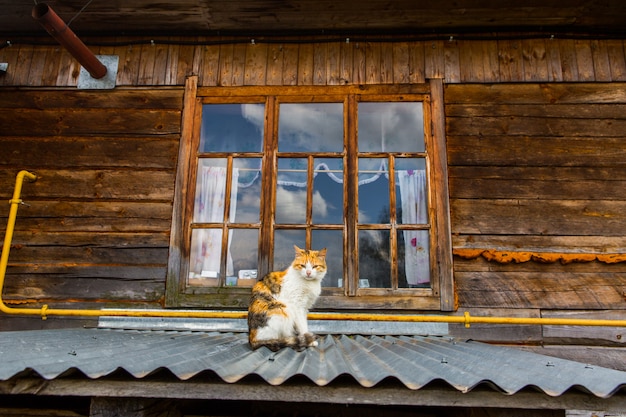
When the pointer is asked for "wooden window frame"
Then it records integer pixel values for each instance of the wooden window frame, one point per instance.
(441, 294)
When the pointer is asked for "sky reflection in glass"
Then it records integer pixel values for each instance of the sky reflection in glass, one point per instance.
(232, 128)
(310, 127)
(391, 127)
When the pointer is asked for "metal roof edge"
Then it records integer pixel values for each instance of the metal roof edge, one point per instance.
(241, 325)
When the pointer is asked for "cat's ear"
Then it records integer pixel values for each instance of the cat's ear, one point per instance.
(321, 253)
(298, 250)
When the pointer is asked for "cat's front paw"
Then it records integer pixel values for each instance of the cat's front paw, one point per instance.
(308, 340)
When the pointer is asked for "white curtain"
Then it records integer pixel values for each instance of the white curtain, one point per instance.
(209, 208)
(415, 211)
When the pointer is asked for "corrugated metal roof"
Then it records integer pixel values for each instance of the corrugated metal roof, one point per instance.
(415, 361)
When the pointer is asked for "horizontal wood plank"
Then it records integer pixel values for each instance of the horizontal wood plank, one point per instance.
(597, 335)
(503, 333)
(61, 216)
(512, 126)
(541, 290)
(538, 183)
(503, 150)
(539, 243)
(89, 122)
(70, 255)
(548, 110)
(30, 152)
(535, 93)
(119, 98)
(85, 282)
(155, 185)
(72, 238)
(538, 217)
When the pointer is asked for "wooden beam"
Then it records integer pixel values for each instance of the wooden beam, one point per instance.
(441, 200)
(336, 393)
(177, 237)
(133, 407)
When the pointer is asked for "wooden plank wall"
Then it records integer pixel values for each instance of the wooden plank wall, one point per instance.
(326, 63)
(540, 169)
(97, 220)
(535, 142)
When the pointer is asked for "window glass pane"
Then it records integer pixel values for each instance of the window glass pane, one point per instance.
(328, 191)
(373, 191)
(391, 127)
(243, 248)
(291, 191)
(413, 259)
(210, 191)
(205, 257)
(310, 127)
(332, 240)
(411, 191)
(246, 190)
(374, 259)
(232, 128)
(284, 253)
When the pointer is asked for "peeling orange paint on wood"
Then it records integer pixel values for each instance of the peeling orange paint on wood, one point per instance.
(500, 256)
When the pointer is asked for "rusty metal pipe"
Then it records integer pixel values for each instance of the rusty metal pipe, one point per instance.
(57, 28)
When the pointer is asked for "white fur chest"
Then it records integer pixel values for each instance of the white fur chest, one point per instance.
(299, 292)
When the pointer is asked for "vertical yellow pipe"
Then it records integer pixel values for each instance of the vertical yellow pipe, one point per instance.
(8, 237)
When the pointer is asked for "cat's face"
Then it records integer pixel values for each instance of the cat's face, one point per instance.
(310, 264)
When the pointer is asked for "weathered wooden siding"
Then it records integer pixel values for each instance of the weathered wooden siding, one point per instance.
(540, 169)
(537, 178)
(167, 62)
(97, 221)
(536, 134)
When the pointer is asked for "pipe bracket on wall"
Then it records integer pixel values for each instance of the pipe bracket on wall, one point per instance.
(86, 81)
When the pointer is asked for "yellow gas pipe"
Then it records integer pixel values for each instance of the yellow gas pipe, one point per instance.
(44, 311)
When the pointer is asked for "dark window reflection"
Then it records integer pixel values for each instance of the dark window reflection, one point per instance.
(284, 239)
(332, 240)
(373, 191)
(374, 259)
(328, 191)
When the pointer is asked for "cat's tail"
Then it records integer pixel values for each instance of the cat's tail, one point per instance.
(273, 344)
(298, 343)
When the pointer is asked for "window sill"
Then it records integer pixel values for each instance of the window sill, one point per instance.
(374, 299)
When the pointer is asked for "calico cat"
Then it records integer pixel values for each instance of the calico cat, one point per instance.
(280, 302)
